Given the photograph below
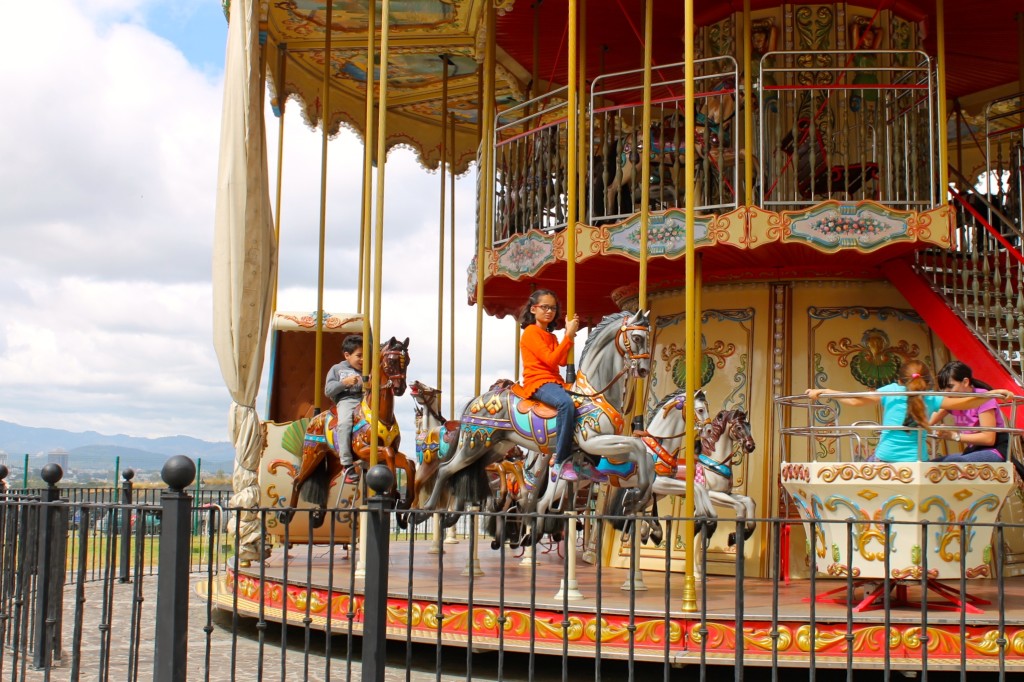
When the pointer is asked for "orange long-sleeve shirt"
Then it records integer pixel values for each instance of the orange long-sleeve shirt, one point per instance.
(542, 356)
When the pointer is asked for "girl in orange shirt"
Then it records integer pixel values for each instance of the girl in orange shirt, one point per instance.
(542, 357)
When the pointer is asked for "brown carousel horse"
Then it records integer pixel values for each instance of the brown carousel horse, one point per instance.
(320, 461)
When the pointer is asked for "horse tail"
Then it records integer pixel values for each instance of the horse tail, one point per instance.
(315, 488)
(471, 485)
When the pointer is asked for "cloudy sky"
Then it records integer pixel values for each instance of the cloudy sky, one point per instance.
(109, 144)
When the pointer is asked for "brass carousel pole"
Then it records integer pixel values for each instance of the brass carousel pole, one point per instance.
(940, 57)
(748, 111)
(281, 98)
(378, 237)
(692, 315)
(364, 251)
(366, 215)
(486, 179)
(635, 580)
(325, 97)
(486, 212)
(569, 587)
(440, 237)
(437, 546)
(451, 275)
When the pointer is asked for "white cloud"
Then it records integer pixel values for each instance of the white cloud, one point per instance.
(110, 156)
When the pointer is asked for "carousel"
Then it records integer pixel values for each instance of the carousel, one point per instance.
(741, 201)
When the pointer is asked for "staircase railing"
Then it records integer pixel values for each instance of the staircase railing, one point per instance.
(981, 276)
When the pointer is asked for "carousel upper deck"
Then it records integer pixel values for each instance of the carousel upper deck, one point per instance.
(833, 152)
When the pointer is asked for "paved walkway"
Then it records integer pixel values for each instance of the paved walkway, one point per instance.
(222, 648)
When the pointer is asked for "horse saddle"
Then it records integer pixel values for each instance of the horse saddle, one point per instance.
(542, 410)
(450, 432)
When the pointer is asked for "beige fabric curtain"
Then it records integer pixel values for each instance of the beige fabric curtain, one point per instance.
(244, 260)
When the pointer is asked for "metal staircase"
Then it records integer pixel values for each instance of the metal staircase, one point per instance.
(981, 276)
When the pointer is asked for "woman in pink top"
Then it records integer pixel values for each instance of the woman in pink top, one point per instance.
(979, 445)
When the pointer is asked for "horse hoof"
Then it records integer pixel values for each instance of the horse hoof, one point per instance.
(657, 536)
(732, 540)
(495, 544)
(285, 516)
(318, 517)
(402, 520)
(712, 527)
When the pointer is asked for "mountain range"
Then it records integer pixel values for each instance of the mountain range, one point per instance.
(91, 450)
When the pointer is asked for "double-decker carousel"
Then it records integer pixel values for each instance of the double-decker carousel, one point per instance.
(792, 195)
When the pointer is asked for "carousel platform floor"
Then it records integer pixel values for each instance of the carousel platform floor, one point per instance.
(501, 615)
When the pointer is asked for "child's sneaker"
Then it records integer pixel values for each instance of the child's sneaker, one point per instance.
(593, 473)
(567, 472)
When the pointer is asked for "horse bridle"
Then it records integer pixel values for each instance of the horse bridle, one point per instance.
(386, 360)
(625, 349)
(429, 399)
(727, 462)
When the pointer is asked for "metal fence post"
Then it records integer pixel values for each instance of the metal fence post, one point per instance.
(171, 643)
(126, 525)
(375, 590)
(45, 572)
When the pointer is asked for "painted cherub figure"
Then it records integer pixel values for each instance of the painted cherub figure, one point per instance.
(865, 39)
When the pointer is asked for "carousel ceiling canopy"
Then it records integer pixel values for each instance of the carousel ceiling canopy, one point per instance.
(981, 51)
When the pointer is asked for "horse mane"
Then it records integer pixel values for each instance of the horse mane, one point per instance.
(665, 401)
(606, 322)
(714, 430)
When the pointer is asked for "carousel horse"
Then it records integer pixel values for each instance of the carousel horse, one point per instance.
(320, 461)
(662, 438)
(436, 437)
(497, 420)
(511, 480)
(719, 439)
(514, 481)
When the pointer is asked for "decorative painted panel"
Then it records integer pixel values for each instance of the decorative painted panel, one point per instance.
(859, 348)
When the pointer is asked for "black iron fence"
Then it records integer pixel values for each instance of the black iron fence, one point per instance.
(168, 601)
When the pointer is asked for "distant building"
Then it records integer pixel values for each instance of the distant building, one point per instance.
(58, 456)
(3, 459)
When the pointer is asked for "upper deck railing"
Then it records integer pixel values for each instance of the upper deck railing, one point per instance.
(829, 125)
(618, 142)
(836, 125)
(530, 166)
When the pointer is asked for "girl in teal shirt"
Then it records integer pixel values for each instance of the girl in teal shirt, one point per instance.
(911, 412)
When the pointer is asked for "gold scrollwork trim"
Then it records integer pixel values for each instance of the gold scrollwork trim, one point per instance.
(842, 570)
(864, 639)
(866, 472)
(967, 472)
(914, 573)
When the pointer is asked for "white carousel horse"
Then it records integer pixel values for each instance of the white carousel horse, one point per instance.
(498, 420)
(436, 437)
(719, 439)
